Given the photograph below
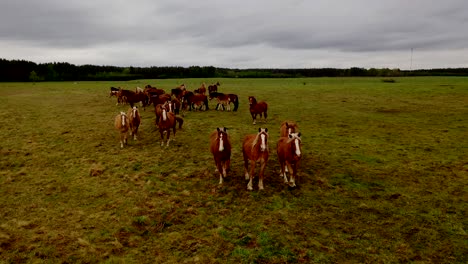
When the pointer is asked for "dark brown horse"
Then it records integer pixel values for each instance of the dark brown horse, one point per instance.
(288, 127)
(201, 90)
(132, 97)
(159, 99)
(255, 149)
(220, 147)
(122, 125)
(233, 98)
(213, 87)
(192, 100)
(289, 156)
(223, 100)
(166, 123)
(177, 92)
(257, 108)
(134, 119)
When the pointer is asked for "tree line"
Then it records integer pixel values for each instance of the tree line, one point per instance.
(24, 71)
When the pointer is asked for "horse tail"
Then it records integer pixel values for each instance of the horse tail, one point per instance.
(236, 103)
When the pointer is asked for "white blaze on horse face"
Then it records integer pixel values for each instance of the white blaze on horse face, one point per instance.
(289, 131)
(221, 143)
(164, 114)
(298, 149)
(263, 145)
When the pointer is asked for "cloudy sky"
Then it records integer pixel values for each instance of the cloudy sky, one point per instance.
(417, 34)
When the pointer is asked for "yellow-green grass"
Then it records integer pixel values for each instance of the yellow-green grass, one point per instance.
(383, 176)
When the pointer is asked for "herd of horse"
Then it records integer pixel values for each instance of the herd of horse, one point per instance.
(255, 147)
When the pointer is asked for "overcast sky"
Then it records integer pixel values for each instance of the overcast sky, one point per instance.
(238, 33)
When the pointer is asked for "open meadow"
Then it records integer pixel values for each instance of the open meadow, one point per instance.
(383, 177)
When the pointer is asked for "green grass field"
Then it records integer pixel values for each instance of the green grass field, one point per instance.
(383, 178)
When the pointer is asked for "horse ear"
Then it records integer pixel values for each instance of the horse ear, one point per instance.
(286, 124)
(266, 129)
(217, 129)
(299, 134)
(290, 136)
(225, 129)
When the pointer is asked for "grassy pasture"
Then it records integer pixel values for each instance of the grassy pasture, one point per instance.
(383, 178)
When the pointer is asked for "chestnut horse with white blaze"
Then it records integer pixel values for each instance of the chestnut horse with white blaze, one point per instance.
(257, 108)
(288, 127)
(166, 123)
(220, 147)
(134, 119)
(289, 156)
(255, 149)
(122, 124)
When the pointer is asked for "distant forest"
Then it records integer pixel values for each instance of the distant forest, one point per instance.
(27, 71)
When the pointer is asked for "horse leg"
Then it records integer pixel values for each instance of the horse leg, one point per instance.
(162, 136)
(260, 174)
(292, 181)
(283, 170)
(121, 140)
(168, 137)
(246, 167)
(252, 170)
(265, 115)
(219, 167)
(254, 118)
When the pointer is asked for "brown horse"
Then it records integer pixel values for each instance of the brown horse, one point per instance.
(134, 119)
(257, 108)
(288, 127)
(220, 146)
(192, 100)
(159, 99)
(223, 100)
(289, 155)
(255, 149)
(201, 90)
(177, 92)
(132, 98)
(166, 123)
(213, 87)
(122, 124)
(233, 98)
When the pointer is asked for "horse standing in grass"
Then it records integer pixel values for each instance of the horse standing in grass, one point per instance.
(166, 123)
(223, 100)
(255, 149)
(134, 119)
(220, 146)
(257, 108)
(289, 156)
(122, 124)
(288, 127)
(233, 98)
(213, 87)
(195, 101)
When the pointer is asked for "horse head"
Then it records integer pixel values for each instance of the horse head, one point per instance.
(262, 136)
(222, 134)
(295, 140)
(252, 100)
